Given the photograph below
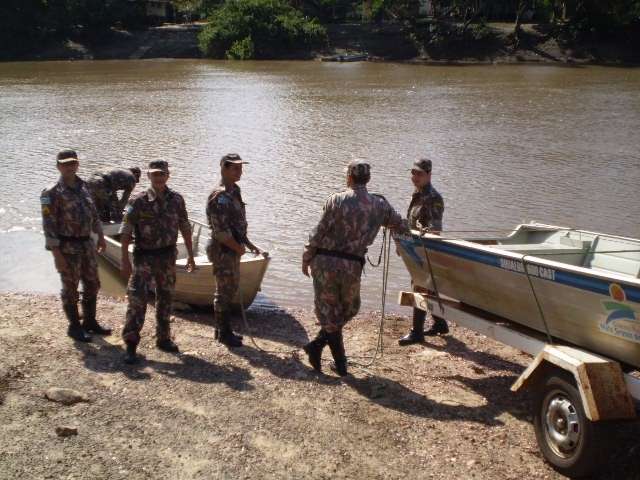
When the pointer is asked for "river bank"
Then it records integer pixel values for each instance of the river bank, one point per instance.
(379, 42)
(439, 410)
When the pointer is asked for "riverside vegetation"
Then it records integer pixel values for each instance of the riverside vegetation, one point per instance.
(591, 30)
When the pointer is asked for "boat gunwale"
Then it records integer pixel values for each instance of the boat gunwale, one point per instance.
(495, 250)
(243, 260)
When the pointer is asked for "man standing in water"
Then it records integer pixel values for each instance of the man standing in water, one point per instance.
(153, 218)
(227, 218)
(335, 254)
(104, 188)
(425, 213)
(68, 219)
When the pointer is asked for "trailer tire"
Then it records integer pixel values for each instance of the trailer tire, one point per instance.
(567, 438)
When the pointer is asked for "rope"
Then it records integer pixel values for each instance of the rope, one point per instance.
(385, 250)
(535, 297)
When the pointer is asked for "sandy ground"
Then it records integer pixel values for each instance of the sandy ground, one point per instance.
(439, 410)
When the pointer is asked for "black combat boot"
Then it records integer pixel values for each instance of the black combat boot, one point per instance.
(75, 330)
(336, 345)
(226, 335)
(89, 322)
(167, 345)
(314, 350)
(218, 320)
(439, 327)
(416, 335)
(130, 356)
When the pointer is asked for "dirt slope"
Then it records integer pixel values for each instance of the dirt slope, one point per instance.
(441, 410)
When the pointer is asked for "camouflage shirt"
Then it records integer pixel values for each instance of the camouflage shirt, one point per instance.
(68, 212)
(426, 209)
(350, 222)
(154, 220)
(226, 214)
(118, 179)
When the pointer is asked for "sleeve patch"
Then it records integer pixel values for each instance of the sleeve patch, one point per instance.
(45, 201)
(129, 209)
(223, 200)
(45, 210)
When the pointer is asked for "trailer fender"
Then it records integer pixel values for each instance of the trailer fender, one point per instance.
(599, 380)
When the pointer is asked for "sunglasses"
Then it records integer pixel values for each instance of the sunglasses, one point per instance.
(418, 172)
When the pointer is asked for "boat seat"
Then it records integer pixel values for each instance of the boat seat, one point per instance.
(546, 251)
(614, 255)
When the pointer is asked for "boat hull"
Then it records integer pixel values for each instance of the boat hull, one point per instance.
(593, 310)
(197, 288)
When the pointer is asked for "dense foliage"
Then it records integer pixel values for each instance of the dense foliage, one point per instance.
(244, 29)
(24, 24)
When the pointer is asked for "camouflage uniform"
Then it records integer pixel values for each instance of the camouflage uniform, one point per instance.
(227, 218)
(426, 209)
(154, 223)
(68, 218)
(349, 224)
(103, 188)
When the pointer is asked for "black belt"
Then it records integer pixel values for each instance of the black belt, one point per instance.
(154, 251)
(336, 254)
(73, 239)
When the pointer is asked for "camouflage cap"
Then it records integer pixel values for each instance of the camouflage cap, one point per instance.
(66, 156)
(423, 164)
(232, 158)
(359, 169)
(158, 166)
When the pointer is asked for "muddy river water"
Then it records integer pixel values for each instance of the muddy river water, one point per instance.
(509, 144)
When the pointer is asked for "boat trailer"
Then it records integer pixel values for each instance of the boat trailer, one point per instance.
(578, 395)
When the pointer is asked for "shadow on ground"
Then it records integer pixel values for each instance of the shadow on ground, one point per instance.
(101, 356)
(263, 323)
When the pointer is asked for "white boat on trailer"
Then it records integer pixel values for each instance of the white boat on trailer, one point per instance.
(197, 288)
(568, 297)
(578, 286)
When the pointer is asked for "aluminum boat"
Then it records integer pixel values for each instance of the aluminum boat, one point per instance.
(578, 286)
(197, 287)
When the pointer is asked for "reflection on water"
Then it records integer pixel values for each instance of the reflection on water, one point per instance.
(557, 145)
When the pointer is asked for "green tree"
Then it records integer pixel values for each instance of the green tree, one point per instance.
(272, 28)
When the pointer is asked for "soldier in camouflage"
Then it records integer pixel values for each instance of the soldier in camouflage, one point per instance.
(68, 219)
(104, 188)
(335, 254)
(153, 218)
(425, 213)
(227, 219)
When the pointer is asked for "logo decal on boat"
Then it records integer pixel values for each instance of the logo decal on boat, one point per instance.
(621, 320)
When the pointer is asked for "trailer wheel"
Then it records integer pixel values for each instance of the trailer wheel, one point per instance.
(566, 437)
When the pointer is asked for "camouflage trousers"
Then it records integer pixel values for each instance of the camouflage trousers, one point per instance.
(106, 201)
(147, 271)
(226, 268)
(81, 266)
(336, 292)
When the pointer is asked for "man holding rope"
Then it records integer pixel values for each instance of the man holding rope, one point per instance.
(425, 214)
(335, 255)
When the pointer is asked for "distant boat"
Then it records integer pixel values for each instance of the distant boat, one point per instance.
(197, 288)
(354, 57)
(584, 285)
